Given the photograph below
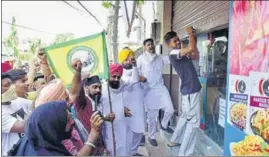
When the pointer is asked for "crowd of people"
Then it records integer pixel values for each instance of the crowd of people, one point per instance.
(96, 117)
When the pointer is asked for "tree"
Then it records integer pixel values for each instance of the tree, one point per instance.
(116, 7)
(34, 44)
(12, 40)
(63, 37)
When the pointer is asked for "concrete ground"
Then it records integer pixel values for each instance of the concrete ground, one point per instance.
(149, 150)
(204, 146)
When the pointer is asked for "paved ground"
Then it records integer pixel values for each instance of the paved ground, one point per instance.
(162, 149)
(149, 150)
(204, 146)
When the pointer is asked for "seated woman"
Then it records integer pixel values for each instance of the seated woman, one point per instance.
(48, 127)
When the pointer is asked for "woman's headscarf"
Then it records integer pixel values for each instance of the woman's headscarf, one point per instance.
(53, 91)
(45, 130)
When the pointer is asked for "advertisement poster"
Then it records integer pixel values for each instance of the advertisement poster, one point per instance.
(250, 29)
(248, 56)
(258, 110)
(238, 101)
(222, 112)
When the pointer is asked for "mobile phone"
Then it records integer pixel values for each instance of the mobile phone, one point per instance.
(100, 114)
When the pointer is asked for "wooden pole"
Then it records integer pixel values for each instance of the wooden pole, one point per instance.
(110, 105)
(113, 132)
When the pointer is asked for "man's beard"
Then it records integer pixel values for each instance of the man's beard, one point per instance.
(127, 66)
(96, 97)
(114, 84)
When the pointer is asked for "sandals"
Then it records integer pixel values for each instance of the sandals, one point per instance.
(173, 145)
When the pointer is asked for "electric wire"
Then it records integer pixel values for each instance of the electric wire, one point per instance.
(91, 14)
(25, 27)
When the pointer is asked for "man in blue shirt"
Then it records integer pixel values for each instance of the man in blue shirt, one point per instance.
(189, 121)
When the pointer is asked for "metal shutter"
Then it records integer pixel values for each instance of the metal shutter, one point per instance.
(204, 16)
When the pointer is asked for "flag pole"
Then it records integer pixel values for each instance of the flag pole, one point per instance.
(113, 131)
(110, 105)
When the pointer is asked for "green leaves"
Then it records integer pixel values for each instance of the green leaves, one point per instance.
(107, 4)
(139, 2)
(12, 40)
(34, 44)
(63, 37)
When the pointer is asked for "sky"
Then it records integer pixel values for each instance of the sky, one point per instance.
(53, 17)
(57, 17)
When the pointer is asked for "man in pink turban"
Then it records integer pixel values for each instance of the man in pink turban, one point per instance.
(115, 71)
(117, 87)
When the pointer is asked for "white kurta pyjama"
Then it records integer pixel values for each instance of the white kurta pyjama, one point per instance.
(120, 123)
(134, 100)
(156, 94)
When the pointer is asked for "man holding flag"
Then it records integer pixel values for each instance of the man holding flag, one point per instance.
(94, 48)
(114, 89)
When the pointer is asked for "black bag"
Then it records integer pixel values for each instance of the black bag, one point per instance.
(14, 150)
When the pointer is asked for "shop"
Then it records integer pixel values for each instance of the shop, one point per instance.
(247, 124)
(210, 19)
(217, 27)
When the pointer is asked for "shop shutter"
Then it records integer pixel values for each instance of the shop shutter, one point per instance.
(204, 16)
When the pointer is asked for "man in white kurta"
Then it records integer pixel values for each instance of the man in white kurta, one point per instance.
(157, 97)
(117, 88)
(134, 100)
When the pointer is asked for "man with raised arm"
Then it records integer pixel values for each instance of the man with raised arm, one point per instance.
(181, 60)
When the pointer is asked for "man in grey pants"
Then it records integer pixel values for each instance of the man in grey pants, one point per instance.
(189, 121)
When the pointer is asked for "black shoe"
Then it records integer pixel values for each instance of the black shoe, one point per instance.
(143, 141)
(137, 154)
(169, 130)
(153, 142)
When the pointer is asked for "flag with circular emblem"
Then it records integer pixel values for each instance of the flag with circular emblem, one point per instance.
(91, 50)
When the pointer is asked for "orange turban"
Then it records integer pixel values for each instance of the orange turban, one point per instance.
(115, 69)
(53, 91)
(124, 54)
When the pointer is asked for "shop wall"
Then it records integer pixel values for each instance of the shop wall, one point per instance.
(164, 12)
(248, 75)
(205, 16)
